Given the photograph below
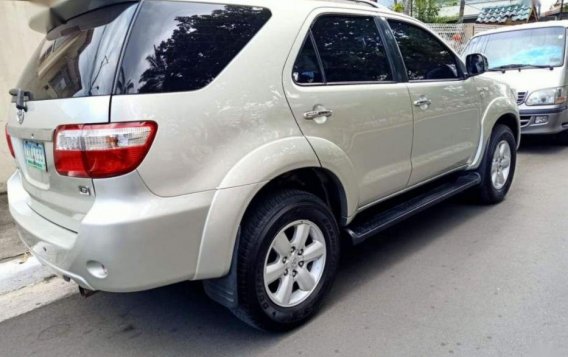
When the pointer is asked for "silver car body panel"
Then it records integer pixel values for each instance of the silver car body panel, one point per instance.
(452, 119)
(371, 124)
(55, 197)
(143, 240)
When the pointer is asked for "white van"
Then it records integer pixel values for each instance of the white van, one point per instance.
(530, 58)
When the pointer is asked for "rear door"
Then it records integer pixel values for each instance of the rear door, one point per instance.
(69, 81)
(447, 106)
(341, 68)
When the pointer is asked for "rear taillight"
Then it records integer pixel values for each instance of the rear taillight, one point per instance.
(9, 141)
(102, 150)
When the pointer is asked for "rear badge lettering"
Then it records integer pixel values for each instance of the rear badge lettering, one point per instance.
(84, 190)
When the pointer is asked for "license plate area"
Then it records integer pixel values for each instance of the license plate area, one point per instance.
(34, 155)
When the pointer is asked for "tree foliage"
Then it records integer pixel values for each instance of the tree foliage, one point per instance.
(425, 10)
(398, 7)
(199, 48)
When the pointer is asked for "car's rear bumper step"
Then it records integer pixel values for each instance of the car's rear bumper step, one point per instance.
(366, 226)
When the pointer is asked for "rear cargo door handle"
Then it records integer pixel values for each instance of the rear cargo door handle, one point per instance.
(21, 96)
(319, 115)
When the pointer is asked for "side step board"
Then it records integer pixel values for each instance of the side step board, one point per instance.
(366, 226)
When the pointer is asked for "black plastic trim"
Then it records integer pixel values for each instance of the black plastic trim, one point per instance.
(365, 226)
(393, 51)
(318, 56)
(542, 111)
(224, 290)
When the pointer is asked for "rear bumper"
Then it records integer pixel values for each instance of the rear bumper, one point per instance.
(557, 121)
(143, 241)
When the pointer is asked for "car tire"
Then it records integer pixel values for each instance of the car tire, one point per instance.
(563, 138)
(273, 226)
(497, 169)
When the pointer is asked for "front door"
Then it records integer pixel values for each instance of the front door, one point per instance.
(447, 107)
(341, 87)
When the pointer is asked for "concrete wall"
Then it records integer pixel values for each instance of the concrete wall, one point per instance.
(17, 43)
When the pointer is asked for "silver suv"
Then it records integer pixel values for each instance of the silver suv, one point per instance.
(240, 142)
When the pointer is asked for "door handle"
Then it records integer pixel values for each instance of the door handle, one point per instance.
(319, 115)
(423, 103)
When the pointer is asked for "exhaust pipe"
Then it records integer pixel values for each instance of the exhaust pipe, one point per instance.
(86, 292)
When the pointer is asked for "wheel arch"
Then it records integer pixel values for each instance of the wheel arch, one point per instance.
(221, 285)
(510, 120)
(501, 110)
(316, 180)
(289, 162)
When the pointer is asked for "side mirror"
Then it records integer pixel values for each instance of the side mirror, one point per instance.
(476, 64)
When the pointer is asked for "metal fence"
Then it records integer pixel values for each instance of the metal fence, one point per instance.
(477, 28)
(457, 35)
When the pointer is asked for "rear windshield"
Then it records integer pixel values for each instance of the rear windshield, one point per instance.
(79, 58)
(183, 46)
(531, 47)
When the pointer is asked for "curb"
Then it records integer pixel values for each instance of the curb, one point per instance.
(20, 272)
(26, 285)
(33, 297)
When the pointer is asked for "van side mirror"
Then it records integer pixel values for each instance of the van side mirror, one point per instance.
(476, 64)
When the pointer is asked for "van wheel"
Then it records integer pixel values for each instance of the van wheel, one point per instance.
(498, 166)
(287, 260)
(563, 138)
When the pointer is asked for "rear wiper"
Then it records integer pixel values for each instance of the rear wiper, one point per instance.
(21, 97)
(519, 66)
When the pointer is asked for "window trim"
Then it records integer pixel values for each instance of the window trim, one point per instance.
(309, 34)
(310, 37)
(460, 67)
(394, 51)
(318, 56)
(123, 49)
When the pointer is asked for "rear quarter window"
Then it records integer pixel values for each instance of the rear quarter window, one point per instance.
(183, 46)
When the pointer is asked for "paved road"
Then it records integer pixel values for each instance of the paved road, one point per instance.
(458, 280)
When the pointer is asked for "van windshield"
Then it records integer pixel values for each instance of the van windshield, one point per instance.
(530, 48)
(79, 58)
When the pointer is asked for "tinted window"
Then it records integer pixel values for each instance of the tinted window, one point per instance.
(183, 46)
(79, 58)
(425, 57)
(351, 49)
(307, 69)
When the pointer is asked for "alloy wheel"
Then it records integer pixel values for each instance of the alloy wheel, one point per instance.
(294, 263)
(501, 165)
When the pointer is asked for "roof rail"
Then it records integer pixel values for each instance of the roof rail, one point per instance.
(370, 3)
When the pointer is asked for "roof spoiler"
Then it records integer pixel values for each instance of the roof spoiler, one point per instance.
(61, 11)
